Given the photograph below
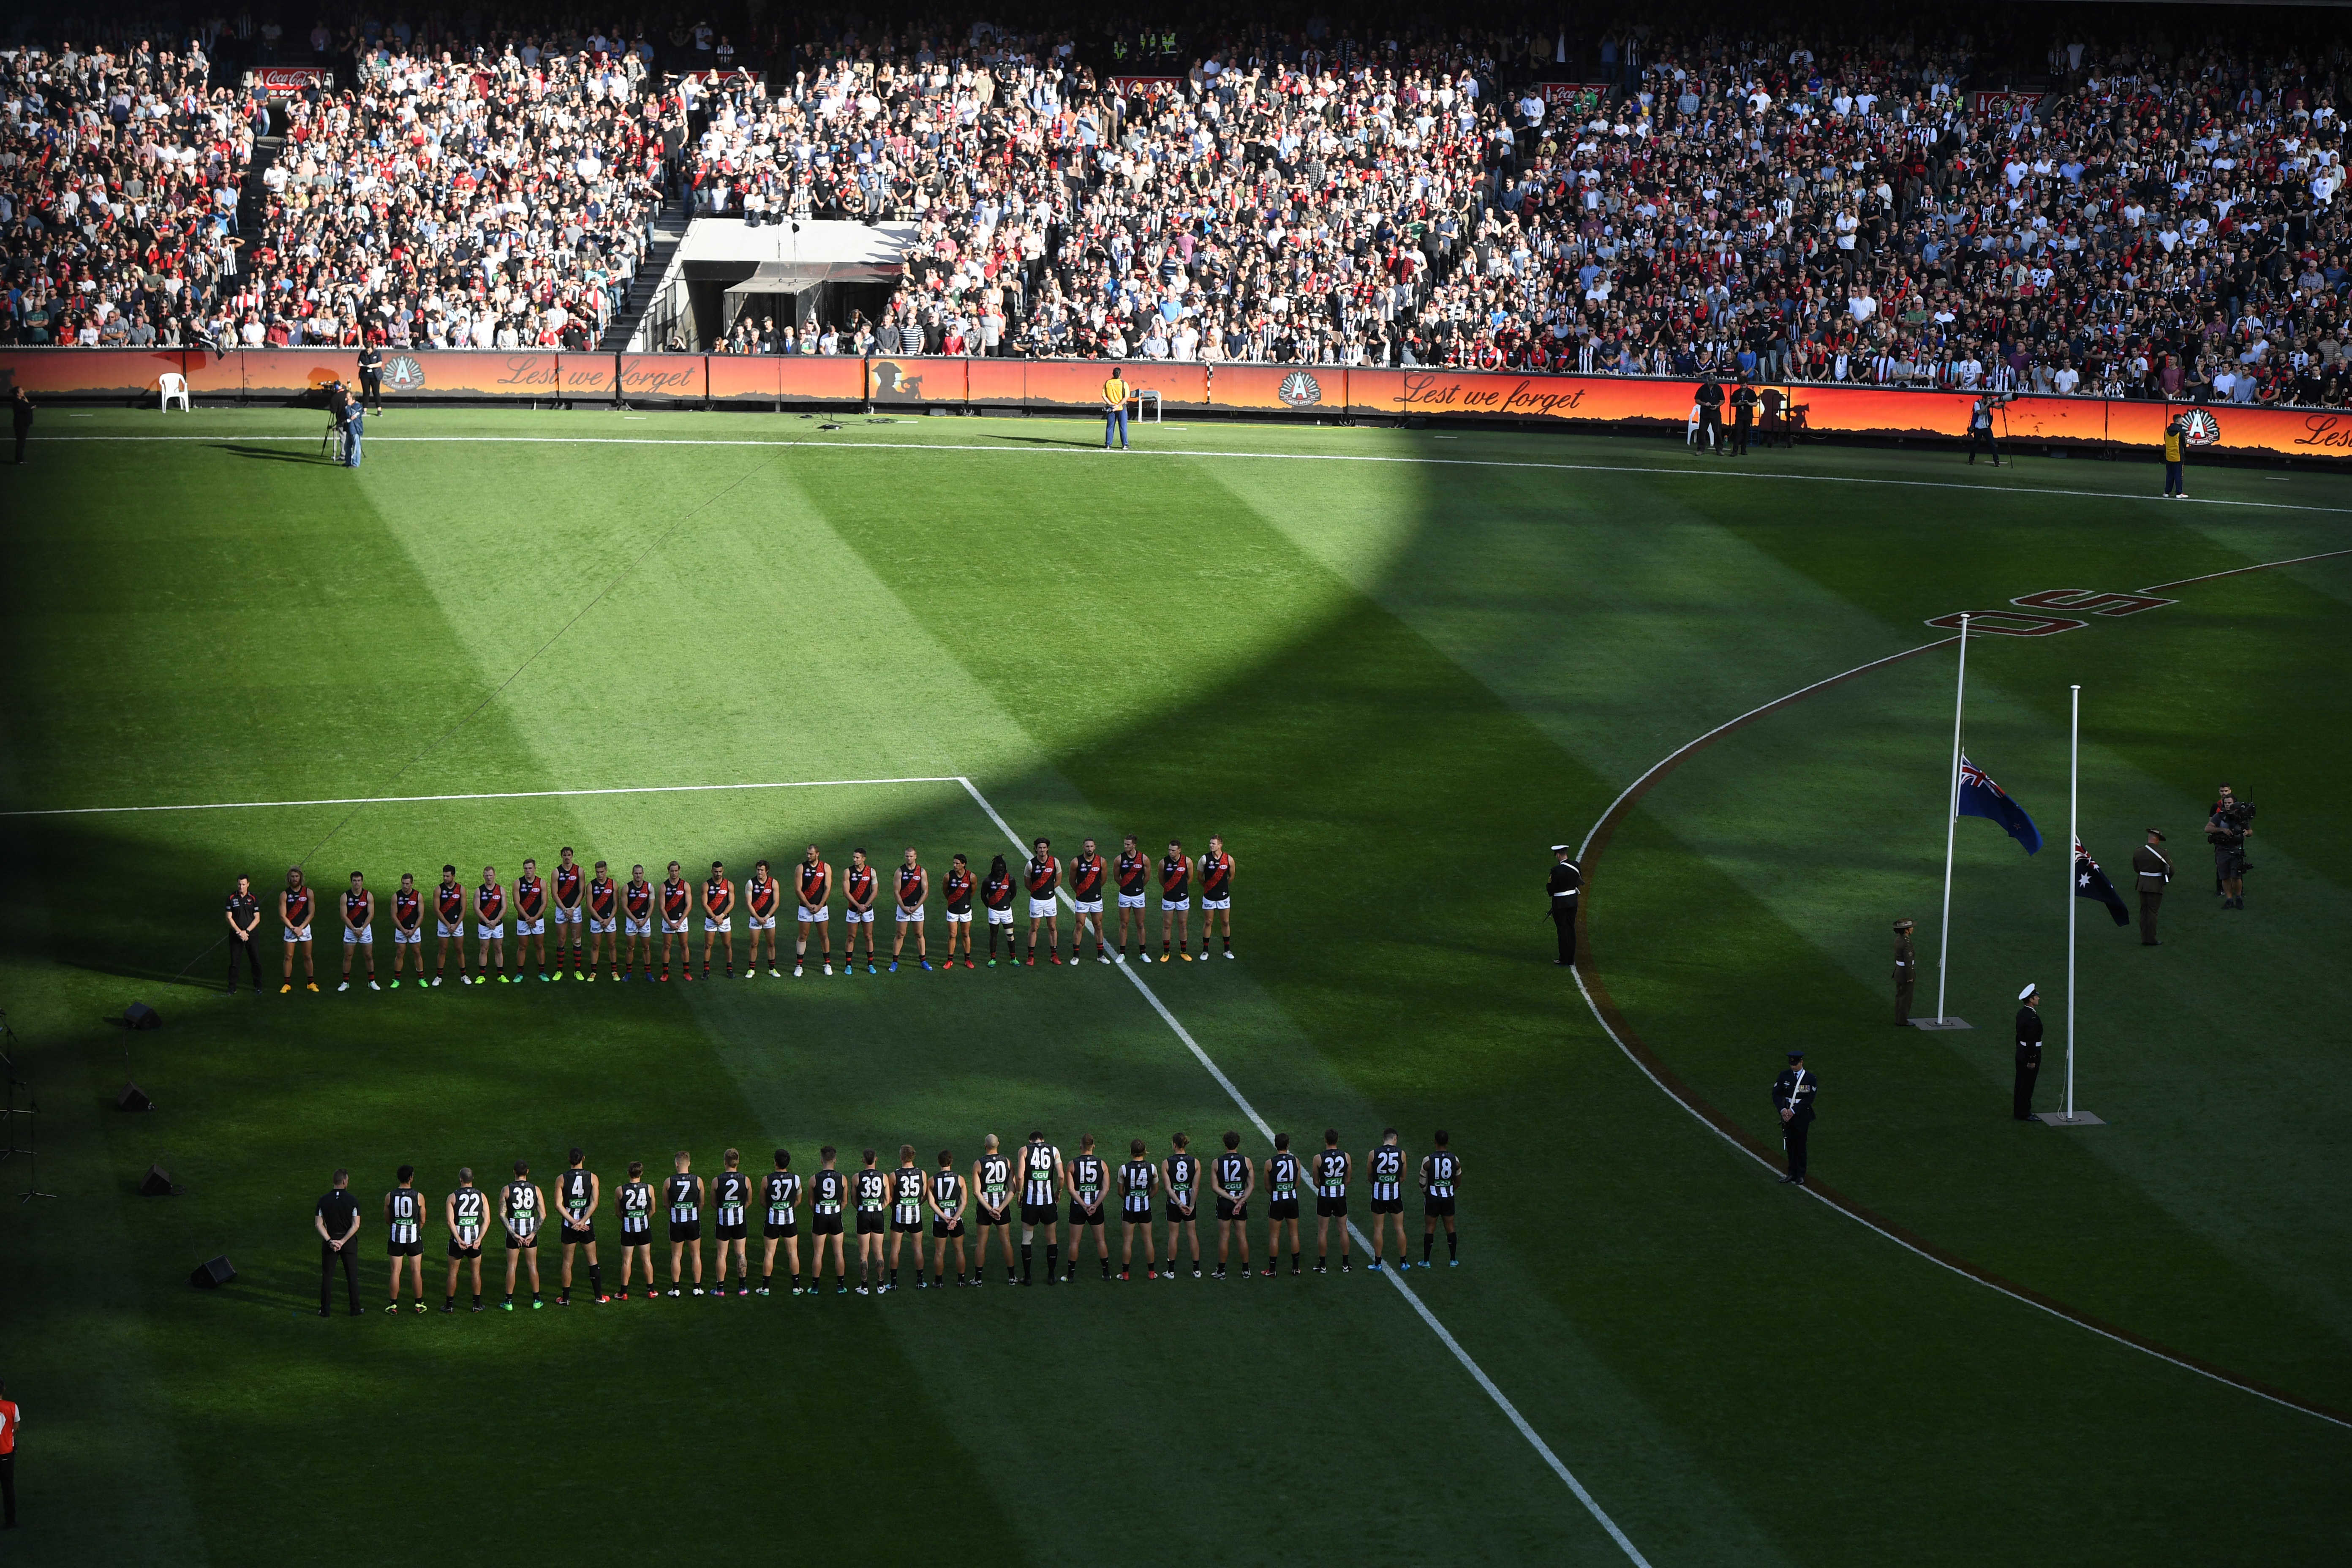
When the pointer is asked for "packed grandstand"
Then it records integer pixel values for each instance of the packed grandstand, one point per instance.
(2142, 214)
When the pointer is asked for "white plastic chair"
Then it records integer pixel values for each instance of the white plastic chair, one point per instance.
(175, 385)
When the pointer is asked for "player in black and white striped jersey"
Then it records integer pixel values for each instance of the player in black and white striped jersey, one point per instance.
(948, 1198)
(1385, 1172)
(779, 1190)
(404, 1226)
(468, 1212)
(523, 1207)
(1334, 1170)
(906, 1213)
(1440, 1174)
(1282, 1181)
(1180, 1178)
(828, 1191)
(682, 1196)
(1042, 1174)
(577, 1194)
(870, 1191)
(1090, 1178)
(992, 1199)
(637, 1228)
(731, 1214)
(1136, 1180)
(1232, 1176)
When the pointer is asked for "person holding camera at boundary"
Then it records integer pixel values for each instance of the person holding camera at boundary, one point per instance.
(1980, 429)
(2227, 829)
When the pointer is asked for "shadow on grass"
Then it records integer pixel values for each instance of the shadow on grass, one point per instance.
(270, 455)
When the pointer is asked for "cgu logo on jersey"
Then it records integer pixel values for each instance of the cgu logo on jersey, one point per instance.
(402, 374)
(2199, 429)
(1300, 390)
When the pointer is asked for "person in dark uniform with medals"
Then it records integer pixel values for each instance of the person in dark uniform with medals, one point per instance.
(992, 1192)
(244, 913)
(2152, 871)
(1743, 417)
(1089, 1184)
(949, 1198)
(1906, 973)
(467, 1212)
(779, 1191)
(1282, 1175)
(1709, 399)
(577, 1193)
(871, 1191)
(2028, 1053)
(682, 1196)
(731, 1211)
(1565, 883)
(1232, 1176)
(522, 1206)
(403, 1229)
(1792, 1097)
(637, 1229)
(1136, 1180)
(1180, 1178)
(372, 378)
(337, 1220)
(828, 1191)
(1334, 1169)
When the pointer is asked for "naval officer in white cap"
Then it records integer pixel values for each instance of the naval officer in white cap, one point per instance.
(2029, 1052)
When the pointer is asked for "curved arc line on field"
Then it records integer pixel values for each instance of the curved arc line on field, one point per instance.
(1613, 1023)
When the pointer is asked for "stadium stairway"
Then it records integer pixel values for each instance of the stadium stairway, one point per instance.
(669, 231)
(253, 201)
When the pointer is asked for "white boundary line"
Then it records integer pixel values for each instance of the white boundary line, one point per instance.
(1477, 1372)
(1083, 450)
(489, 795)
(1669, 760)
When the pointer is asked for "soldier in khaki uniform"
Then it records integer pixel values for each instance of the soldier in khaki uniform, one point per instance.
(2153, 871)
(1906, 973)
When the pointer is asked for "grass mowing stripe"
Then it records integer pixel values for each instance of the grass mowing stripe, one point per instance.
(1075, 448)
(487, 795)
(1502, 1402)
(1605, 1012)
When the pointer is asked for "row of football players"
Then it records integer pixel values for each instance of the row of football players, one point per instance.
(887, 1209)
(602, 923)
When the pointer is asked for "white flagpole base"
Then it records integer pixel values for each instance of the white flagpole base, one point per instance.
(1941, 1024)
(2060, 1118)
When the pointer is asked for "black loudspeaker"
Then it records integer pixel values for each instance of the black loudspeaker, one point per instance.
(158, 1183)
(212, 1276)
(133, 1098)
(138, 1016)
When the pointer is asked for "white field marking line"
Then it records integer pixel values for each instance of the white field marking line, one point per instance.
(1079, 449)
(1233, 1092)
(2239, 571)
(489, 795)
(1668, 761)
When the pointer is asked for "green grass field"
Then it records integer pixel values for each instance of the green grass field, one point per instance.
(1390, 668)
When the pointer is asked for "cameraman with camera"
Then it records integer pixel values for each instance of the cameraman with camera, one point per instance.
(2227, 829)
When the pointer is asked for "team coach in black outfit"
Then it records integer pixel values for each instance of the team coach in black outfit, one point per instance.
(244, 914)
(1566, 882)
(337, 1219)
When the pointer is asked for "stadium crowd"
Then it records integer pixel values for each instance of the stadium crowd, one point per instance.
(2151, 216)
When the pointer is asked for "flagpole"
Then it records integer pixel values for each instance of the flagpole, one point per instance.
(2069, 1117)
(1944, 1020)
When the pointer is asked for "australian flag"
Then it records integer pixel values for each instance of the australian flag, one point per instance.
(1979, 796)
(2090, 882)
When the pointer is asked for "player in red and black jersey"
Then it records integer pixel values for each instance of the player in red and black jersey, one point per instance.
(1087, 874)
(1134, 872)
(449, 920)
(1043, 878)
(530, 922)
(407, 926)
(1176, 901)
(359, 930)
(295, 907)
(491, 925)
(637, 924)
(815, 909)
(719, 917)
(959, 896)
(604, 922)
(1216, 894)
(996, 894)
(857, 888)
(760, 896)
(676, 903)
(568, 946)
(914, 882)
